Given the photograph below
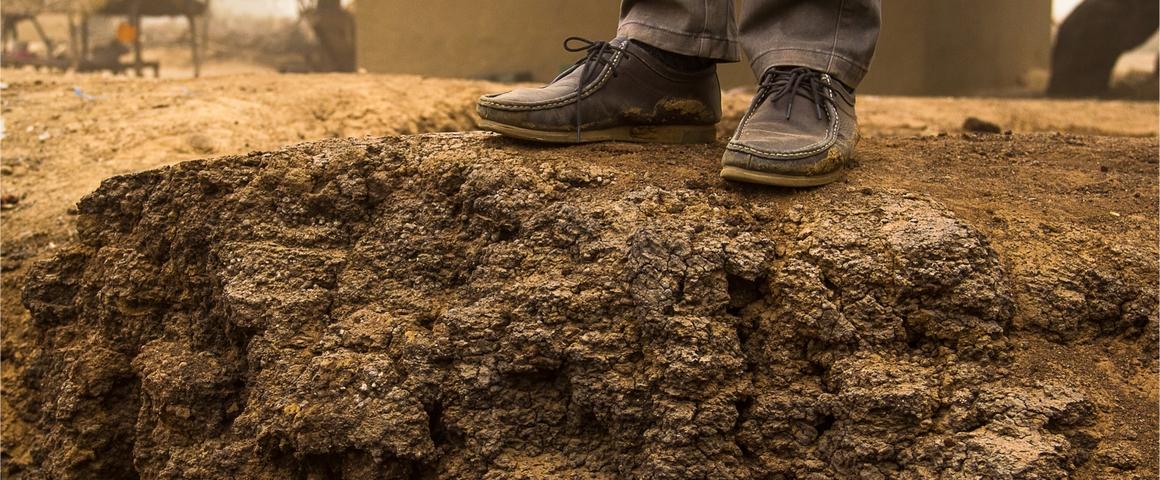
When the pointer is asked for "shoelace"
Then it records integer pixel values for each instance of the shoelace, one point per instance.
(779, 83)
(598, 54)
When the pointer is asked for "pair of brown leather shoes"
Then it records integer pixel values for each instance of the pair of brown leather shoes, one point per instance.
(799, 131)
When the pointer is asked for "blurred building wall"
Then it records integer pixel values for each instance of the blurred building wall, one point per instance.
(943, 47)
(498, 39)
(959, 47)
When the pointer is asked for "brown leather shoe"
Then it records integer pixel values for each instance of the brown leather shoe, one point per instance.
(619, 91)
(800, 131)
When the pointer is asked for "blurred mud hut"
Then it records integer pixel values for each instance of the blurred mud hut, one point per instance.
(83, 56)
(1092, 39)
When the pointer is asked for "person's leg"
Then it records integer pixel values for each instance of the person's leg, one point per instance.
(801, 129)
(697, 28)
(831, 36)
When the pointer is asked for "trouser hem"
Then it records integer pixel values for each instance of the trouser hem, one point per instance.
(845, 70)
(692, 44)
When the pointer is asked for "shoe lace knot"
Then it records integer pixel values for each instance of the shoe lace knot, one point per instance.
(778, 83)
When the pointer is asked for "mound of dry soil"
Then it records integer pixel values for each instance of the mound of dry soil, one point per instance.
(463, 306)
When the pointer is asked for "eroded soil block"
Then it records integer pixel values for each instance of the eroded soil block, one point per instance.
(461, 306)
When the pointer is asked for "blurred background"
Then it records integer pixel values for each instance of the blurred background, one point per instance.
(949, 47)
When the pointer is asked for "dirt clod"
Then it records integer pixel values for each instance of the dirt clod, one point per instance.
(201, 143)
(973, 124)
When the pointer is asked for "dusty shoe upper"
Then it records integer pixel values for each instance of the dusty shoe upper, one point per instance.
(799, 131)
(619, 91)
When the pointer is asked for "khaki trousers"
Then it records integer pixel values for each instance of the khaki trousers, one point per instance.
(833, 36)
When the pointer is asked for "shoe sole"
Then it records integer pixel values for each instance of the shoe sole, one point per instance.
(638, 134)
(738, 174)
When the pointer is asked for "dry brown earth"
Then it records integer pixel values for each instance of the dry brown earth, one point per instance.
(974, 303)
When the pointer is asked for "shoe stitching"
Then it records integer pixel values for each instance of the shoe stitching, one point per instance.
(830, 139)
(570, 98)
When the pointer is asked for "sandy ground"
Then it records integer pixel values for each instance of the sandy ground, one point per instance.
(64, 134)
(94, 127)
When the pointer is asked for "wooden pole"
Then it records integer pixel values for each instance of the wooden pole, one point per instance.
(135, 21)
(8, 33)
(74, 54)
(193, 44)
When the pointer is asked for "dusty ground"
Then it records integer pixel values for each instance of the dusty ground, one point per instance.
(128, 125)
(1067, 202)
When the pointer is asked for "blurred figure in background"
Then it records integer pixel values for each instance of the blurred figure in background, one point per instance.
(334, 27)
(110, 53)
(657, 82)
(1091, 40)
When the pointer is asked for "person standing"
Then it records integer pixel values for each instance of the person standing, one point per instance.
(657, 82)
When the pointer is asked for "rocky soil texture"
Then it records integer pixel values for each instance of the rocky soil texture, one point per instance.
(464, 306)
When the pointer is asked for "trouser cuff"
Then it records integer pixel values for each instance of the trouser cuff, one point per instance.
(845, 70)
(691, 44)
